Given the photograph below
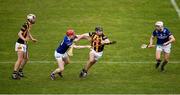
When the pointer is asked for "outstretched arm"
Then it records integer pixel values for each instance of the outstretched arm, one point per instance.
(70, 51)
(31, 37)
(107, 42)
(83, 36)
(80, 46)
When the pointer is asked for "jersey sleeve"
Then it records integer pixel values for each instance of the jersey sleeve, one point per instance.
(24, 27)
(169, 33)
(67, 41)
(154, 33)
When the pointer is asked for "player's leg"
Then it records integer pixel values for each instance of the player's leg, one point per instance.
(66, 62)
(166, 53)
(66, 59)
(158, 56)
(25, 59)
(166, 59)
(17, 65)
(91, 61)
(60, 68)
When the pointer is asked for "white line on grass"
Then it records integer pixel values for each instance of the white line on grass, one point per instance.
(173, 2)
(98, 62)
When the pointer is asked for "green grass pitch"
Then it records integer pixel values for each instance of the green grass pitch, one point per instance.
(129, 22)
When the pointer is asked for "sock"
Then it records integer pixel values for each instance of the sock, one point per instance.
(85, 71)
(158, 61)
(164, 63)
(15, 72)
(20, 70)
(60, 74)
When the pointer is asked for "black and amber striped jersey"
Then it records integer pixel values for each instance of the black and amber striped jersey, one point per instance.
(96, 41)
(25, 29)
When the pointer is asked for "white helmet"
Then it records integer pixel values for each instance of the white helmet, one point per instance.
(31, 18)
(159, 23)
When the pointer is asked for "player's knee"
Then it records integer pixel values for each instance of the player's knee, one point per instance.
(20, 59)
(67, 62)
(92, 61)
(61, 69)
(165, 61)
(26, 58)
(158, 57)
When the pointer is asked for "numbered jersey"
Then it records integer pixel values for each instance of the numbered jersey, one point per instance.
(163, 36)
(65, 44)
(96, 41)
(25, 29)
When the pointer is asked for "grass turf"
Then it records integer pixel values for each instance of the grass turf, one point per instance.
(129, 22)
(103, 78)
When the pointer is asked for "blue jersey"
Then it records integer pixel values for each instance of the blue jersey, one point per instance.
(65, 44)
(162, 36)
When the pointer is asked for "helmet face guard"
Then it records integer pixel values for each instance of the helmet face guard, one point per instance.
(31, 18)
(99, 30)
(159, 25)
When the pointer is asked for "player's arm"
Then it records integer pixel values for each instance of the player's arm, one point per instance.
(83, 36)
(151, 42)
(70, 51)
(21, 36)
(31, 37)
(171, 39)
(80, 47)
(107, 42)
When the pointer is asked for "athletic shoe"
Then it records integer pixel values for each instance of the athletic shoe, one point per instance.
(52, 76)
(21, 74)
(15, 76)
(162, 68)
(157, 65)
(83, 73)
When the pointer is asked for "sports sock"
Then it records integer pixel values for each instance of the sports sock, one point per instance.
(163, 64)
(15, 72)
(158, 63)
(20, 70)
(85, 71)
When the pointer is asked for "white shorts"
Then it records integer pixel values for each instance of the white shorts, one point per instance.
(59, 56)
(20, 47)
(166, 49)
(97, 55)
